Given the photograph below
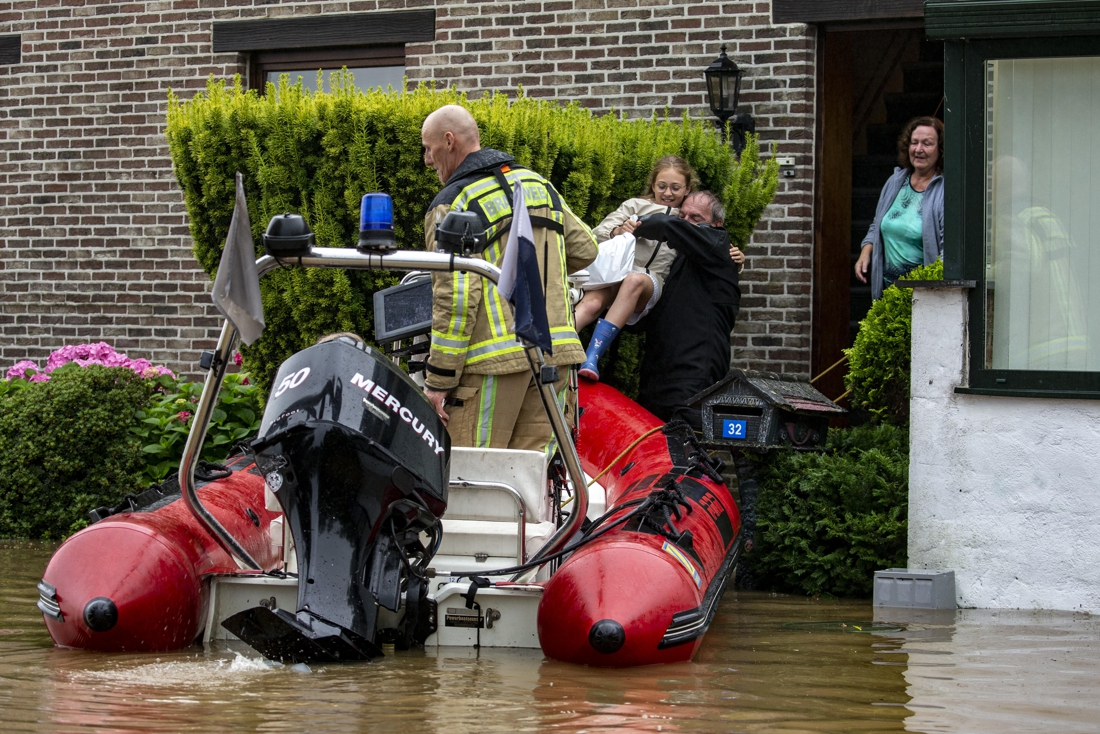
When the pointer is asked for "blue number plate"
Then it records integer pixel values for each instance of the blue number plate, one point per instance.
(734, 428)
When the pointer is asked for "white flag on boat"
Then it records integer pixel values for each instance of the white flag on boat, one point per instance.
(237, 284)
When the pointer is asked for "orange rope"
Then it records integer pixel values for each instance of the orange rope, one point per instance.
(618, 458)
(835, 364)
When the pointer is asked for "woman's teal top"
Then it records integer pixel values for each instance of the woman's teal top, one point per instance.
(901, 229)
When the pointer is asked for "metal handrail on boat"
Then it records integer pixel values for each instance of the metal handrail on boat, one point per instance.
(508, 489)
(348, 259)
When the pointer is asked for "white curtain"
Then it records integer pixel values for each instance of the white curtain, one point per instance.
(1043, 248)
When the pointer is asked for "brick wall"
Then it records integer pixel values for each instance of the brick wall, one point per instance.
(94, 241)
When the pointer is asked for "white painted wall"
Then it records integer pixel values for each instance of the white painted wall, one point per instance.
(1003, 491)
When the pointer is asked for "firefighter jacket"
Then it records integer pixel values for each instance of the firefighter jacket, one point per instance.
(472, 324)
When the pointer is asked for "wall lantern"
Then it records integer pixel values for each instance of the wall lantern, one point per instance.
(723, 90)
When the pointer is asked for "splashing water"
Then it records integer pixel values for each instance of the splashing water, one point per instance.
(241, 670)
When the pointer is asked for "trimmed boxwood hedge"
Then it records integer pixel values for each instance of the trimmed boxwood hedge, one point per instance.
(879, 360)
(826, 521)
(317, 154)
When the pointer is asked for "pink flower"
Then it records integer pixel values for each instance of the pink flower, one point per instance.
(183, 416)
(19, 370)
(237, 359)
(244, 381)
(104, 354)
(40, 377)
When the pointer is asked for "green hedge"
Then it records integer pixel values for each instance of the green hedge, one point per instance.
(825, 522)
(879, 360)
(317, 154)
(89, 436)
(66, 448)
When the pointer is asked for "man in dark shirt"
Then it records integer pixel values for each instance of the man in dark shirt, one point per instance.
(688, 333)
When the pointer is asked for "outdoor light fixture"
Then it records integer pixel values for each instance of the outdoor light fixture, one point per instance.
(723, 90)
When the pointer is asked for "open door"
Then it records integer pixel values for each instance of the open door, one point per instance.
(872, 82)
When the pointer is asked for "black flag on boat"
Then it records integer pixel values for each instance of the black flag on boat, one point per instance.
(237, 284)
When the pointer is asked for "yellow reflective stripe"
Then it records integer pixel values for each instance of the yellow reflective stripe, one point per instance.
(508, 345)
(492, 348)
(471, 192)
(448, 345)
(565, 341)
(497, 312)
(460, 285)
(487, 400)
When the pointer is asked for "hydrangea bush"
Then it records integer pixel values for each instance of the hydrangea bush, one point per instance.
(94, 426)
(100, 353)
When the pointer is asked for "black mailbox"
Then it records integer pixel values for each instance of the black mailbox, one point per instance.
(763, 410)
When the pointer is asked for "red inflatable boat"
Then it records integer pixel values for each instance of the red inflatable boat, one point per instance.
(641, 593)
(137, 580)
(645, 591)
(358, 464)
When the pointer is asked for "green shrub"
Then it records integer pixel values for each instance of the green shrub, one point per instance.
(317, 154)
(89, 436)
(879, 360)
(164, 422)
(825, 522)
(66, 447)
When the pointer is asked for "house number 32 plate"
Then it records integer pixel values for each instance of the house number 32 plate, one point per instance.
(733, 428)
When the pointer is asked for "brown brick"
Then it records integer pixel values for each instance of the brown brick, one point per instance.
(82, 157)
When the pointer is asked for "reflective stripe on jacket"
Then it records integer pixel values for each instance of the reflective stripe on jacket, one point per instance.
(472, 324)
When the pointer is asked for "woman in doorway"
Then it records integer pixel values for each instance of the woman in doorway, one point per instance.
(908, 227)
(670, 181)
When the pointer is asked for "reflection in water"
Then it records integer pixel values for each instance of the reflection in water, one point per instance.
(1004, 671)
(769, 663)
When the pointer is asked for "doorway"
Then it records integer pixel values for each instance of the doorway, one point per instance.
(872, 82)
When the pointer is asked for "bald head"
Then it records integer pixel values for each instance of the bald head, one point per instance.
(449, 135)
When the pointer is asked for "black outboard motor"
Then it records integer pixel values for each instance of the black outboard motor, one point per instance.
(360, 464)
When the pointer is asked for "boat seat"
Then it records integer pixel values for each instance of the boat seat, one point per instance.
(525, 471)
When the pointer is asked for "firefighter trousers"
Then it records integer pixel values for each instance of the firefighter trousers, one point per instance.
(506, 412)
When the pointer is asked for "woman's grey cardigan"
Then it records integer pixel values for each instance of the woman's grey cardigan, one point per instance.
(931, 224)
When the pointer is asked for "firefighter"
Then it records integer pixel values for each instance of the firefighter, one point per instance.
(478, 378)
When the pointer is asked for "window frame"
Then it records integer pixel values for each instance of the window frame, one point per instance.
(965, 182)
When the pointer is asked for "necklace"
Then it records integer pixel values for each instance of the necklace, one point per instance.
(908, 196)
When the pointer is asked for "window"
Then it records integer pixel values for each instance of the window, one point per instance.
(1043, 219)
(371, 45)
(1022, 178)
(371, 67)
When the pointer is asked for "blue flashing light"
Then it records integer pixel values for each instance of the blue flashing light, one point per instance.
(376, 223)
(376, 212)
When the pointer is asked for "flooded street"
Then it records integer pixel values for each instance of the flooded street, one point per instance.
(769, 663)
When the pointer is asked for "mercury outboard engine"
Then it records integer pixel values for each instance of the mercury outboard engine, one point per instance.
(359, 462)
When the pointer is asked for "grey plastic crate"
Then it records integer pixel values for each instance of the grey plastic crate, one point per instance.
(915, 588)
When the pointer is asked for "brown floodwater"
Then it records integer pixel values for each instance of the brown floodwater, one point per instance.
(769, 663)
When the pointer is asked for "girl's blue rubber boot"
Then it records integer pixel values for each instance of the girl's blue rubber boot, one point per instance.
(602, 337)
